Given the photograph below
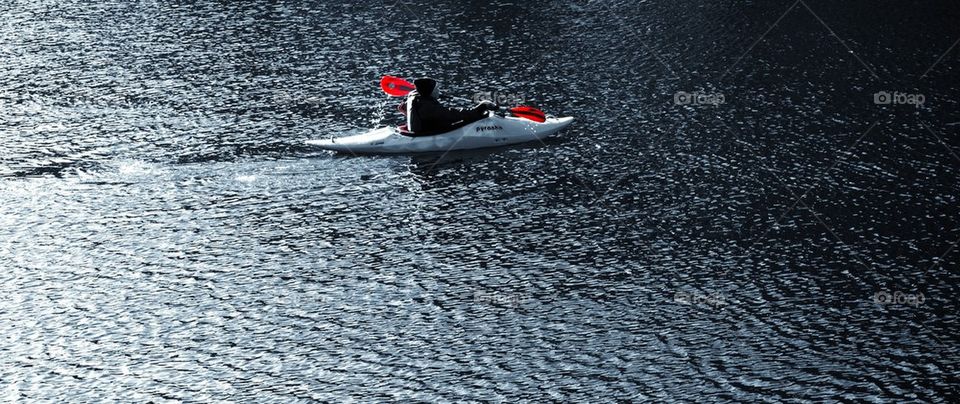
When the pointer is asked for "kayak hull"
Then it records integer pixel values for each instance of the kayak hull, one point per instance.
(492, 131)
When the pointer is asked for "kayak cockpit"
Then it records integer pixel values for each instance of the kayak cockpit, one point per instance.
(403, 130)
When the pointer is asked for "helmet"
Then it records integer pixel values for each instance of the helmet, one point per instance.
(427, 86)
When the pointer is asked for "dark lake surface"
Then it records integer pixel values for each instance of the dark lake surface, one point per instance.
(166, 234)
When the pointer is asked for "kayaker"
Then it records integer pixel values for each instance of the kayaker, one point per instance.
(426, 116)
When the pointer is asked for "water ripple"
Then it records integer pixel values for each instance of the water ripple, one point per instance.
(166, 234)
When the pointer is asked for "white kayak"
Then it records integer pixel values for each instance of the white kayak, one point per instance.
(492, 131)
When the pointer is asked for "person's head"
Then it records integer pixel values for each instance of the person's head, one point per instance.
(427, 86)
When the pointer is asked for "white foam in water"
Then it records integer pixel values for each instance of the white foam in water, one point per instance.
(136, 167)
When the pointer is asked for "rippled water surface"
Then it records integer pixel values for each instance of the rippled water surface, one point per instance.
(166, 234)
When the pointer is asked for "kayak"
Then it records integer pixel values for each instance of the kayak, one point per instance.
(492, 131)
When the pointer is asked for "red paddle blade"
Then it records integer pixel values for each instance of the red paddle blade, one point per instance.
(396, 86)
(530, 113)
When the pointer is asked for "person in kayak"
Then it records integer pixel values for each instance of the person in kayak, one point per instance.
(426, 116)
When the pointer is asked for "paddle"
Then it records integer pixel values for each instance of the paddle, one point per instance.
(530, 113)
(398, 87)
(395, 86)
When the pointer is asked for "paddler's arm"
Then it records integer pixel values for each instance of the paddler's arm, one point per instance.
(437, 112)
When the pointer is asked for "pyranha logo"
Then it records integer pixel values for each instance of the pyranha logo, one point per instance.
(489, 128)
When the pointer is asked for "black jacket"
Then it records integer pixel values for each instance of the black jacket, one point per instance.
(425, 115)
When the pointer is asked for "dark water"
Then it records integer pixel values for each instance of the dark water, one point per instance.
(166, 234)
